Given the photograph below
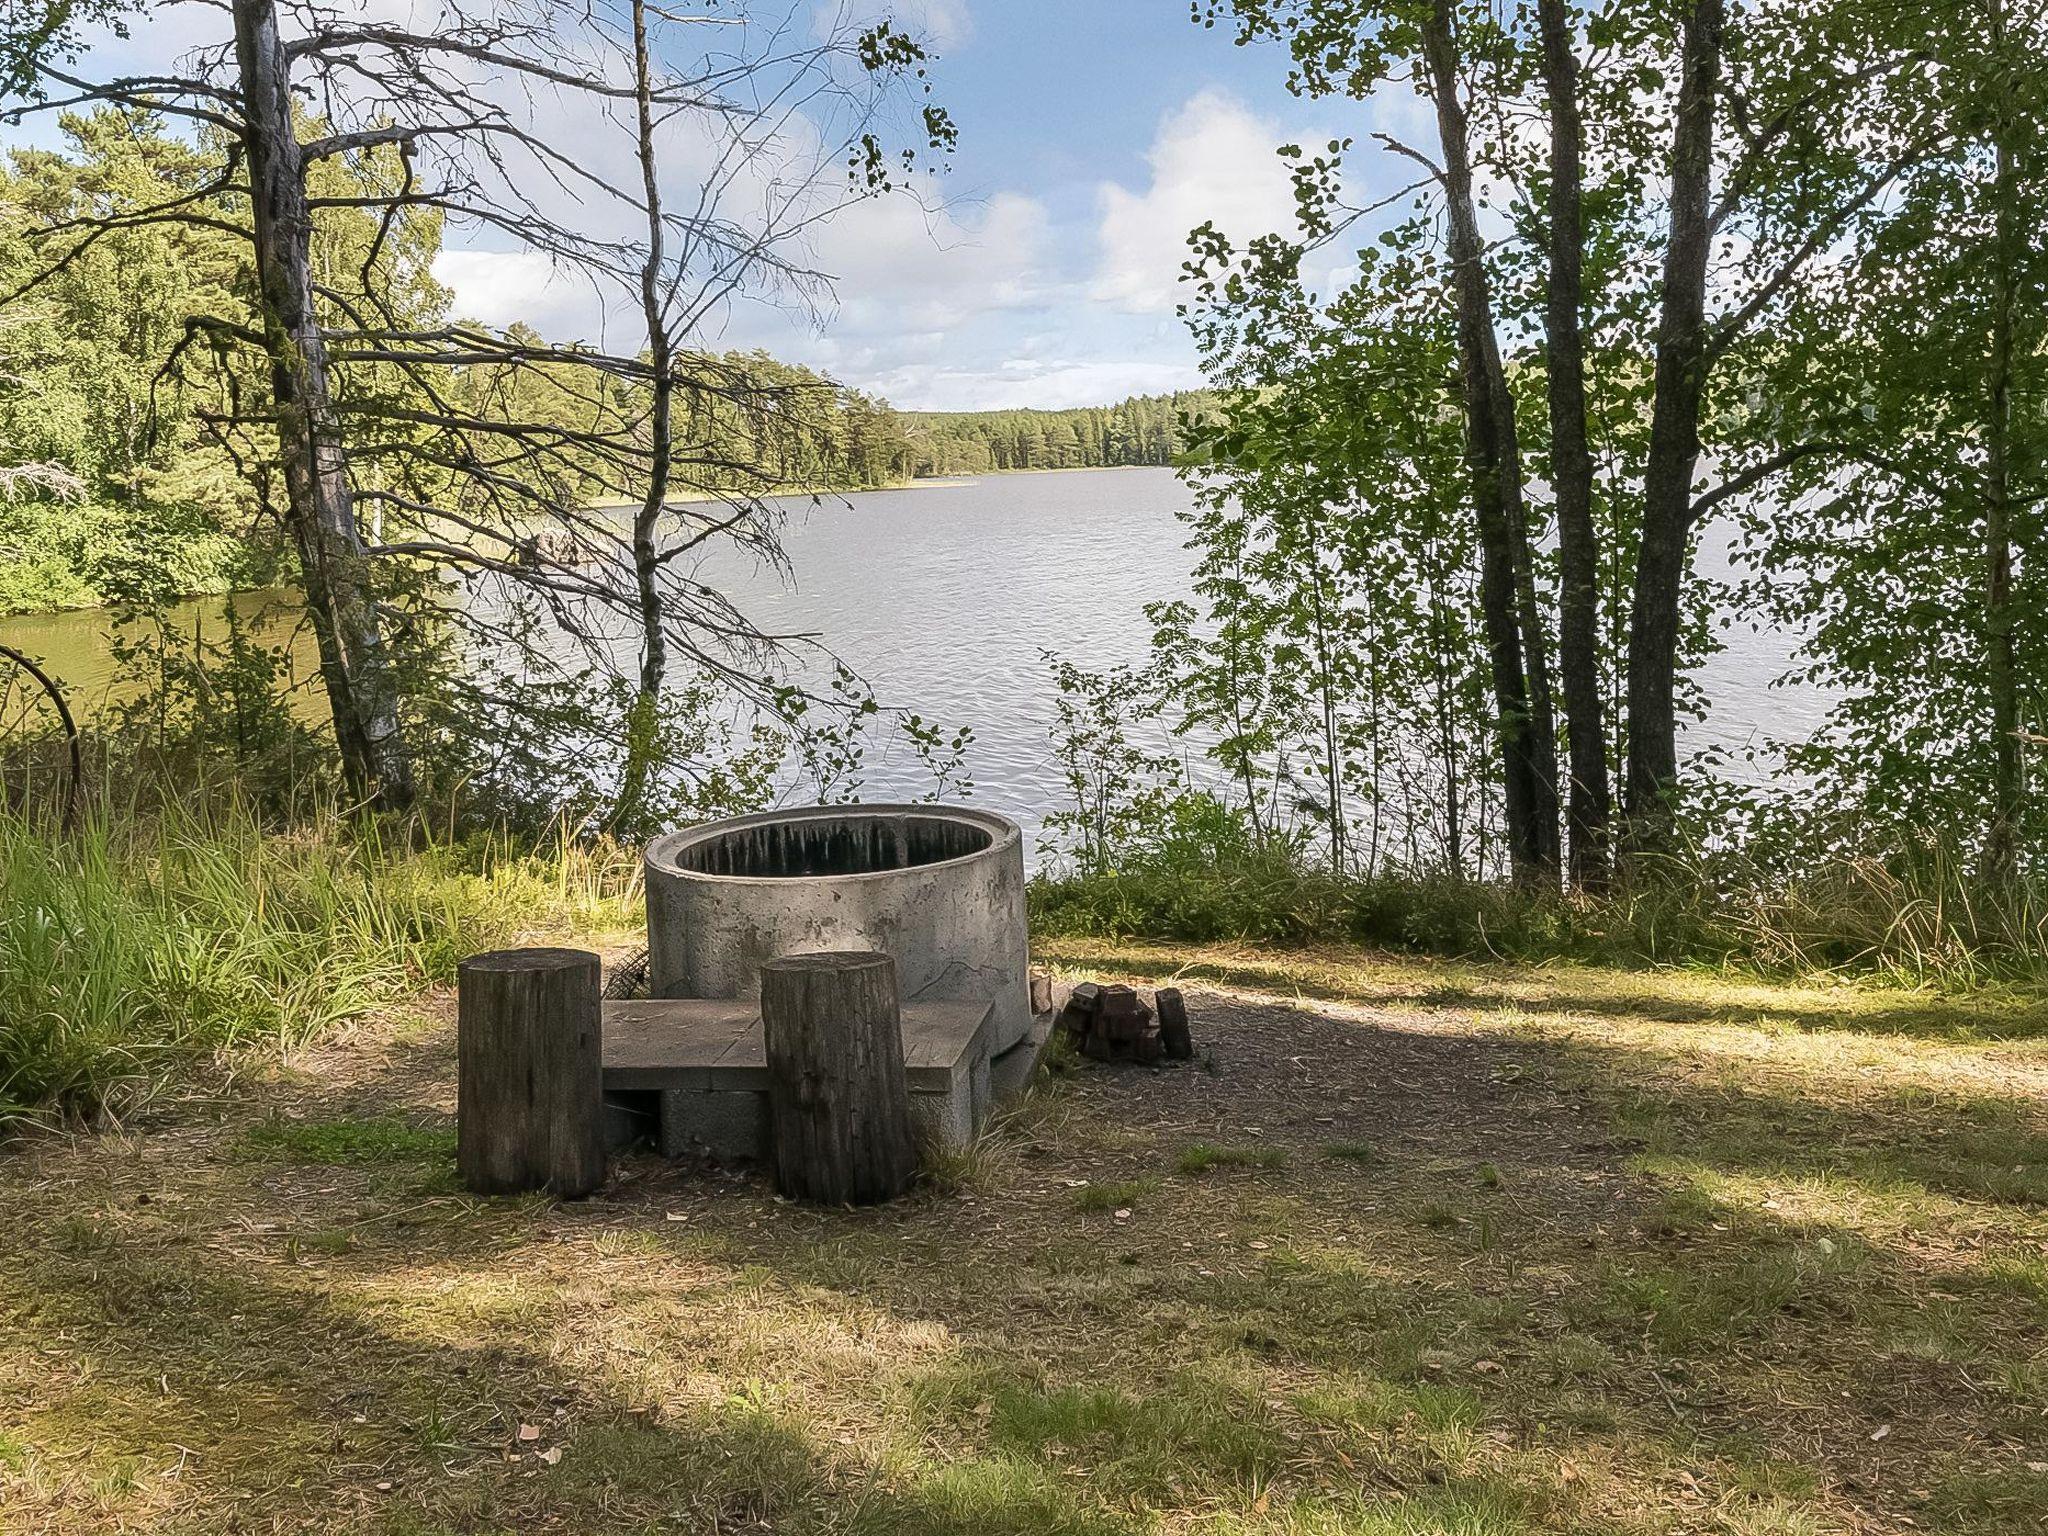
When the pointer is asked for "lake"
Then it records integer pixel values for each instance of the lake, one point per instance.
(944, 596)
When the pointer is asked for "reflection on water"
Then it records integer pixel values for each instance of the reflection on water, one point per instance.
(944, 598)
(80, 649)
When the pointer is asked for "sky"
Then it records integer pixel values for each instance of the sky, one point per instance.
(1039, 268)
(1043, 269)
(1094, 134)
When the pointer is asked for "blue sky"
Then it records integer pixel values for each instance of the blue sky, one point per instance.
(1058, 94)
(1094, 134)
(1100, 132)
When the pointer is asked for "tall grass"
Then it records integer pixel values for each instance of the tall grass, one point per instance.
(1921, 918)
(140, 940)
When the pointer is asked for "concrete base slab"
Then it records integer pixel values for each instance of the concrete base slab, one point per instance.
(732, 1124)
(944, 1122)
(1011, 1073)
(705, 1065)
(726, 1123)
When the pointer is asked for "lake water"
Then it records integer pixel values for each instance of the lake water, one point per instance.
(945, 596)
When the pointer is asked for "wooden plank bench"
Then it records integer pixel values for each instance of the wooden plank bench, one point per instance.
(707, 1062)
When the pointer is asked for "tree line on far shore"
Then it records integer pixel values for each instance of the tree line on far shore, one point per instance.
(1142, 430)
(114, 487)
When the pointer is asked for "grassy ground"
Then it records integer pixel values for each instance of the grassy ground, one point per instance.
(145, 941)
(1416, 1248)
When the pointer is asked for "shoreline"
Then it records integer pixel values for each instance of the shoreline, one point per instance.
(917, 483)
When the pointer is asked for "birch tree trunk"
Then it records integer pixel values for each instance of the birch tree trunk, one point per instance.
(1590, 807)
(334, 565)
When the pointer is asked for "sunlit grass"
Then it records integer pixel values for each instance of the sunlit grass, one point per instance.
(1671, 995)
(134, 944)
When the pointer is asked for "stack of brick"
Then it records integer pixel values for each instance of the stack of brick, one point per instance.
(1114, 1024)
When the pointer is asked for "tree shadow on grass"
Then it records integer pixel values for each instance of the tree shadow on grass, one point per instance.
(1870, 1340)
(1087, 1372)
(1604, 993)
(220, 1401)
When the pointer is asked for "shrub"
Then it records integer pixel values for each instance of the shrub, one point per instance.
(1921, 916)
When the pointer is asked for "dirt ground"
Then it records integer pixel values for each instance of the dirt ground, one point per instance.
(1410, 1249)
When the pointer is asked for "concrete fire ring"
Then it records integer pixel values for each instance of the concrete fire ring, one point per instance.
(939, 888)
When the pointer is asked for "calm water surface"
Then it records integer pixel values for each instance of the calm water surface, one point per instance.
(945, 597)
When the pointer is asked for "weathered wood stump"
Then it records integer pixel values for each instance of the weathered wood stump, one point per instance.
(837, 1099)
(530, 1093)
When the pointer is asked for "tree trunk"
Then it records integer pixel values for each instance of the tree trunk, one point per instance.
(1571, 460)
(334, 566)
(1674, 442)
(2008, 787)
(1514, 633)
(837, 1095)
(530, 1073)
(641, 742)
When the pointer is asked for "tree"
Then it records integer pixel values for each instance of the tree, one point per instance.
(1590, 809)
(716, 255)
(1908, 438)
(1677, 286)
(1341, 654)
(151, 511)
(1516, 635)
(362, 687)
(372, 401)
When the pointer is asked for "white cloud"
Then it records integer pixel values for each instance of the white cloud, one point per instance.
(1213, 160)
(505, 288)
(945, 24)
(995, 302)
(996, 305)
(898, 267)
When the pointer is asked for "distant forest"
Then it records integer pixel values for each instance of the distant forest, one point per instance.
(1144, 429)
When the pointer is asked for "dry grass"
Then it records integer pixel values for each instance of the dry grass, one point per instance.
(1427, 1249)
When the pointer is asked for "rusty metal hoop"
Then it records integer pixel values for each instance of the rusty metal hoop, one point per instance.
(75, 751)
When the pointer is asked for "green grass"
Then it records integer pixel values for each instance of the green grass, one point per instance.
(137, 944)
(1921, 917)
(1116, 1195)
(1202, 1158)
(1992, 1504)
(359, 1143)
(1196, 1428)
